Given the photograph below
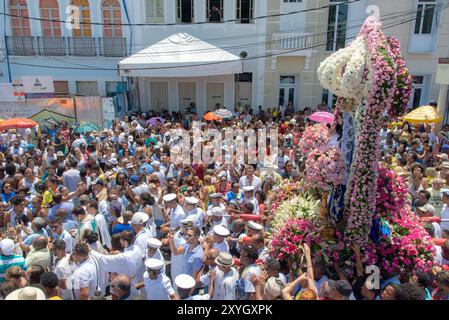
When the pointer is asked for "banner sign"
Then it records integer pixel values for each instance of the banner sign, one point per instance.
(39, 87)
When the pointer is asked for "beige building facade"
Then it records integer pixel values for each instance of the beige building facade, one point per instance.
(300, 41)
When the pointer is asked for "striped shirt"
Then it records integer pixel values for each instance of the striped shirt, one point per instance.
(10, 261)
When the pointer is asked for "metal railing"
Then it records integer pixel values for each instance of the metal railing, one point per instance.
(82, 47)
(21, 46)
(52, 46)
(112, 47)
(63, 46)
(286, 41)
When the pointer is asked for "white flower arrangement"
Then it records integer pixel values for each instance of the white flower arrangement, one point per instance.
(343, 72)
(303, 206)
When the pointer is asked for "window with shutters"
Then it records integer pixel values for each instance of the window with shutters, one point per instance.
(155, 11)
(85, 28)
(112, 19)
(20, 23)
(51, 27)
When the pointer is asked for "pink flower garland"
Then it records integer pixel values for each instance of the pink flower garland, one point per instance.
(362, 187)
(408, 250)
(403, 90)
(314, 136)
(286, 243)
(325, 168)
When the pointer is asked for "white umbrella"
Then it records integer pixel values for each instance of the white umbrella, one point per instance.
(224, 113)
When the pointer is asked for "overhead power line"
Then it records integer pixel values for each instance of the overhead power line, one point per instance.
(213, 63)
(243, 46)
(172, 24)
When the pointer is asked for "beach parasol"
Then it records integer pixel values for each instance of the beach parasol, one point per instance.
(210, 116)
(87, 127)
(425, 114)
(224, 113)
(17, 123)
(322, 117)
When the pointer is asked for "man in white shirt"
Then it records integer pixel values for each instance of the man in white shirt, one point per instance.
(245, 288)
(248, 196)
(157, 285)
(63, 269)
(192, 211)
(222, 280)
(85, 280)
(142, 234)
(153, 251)
(129, 262)
(186, 285)
(250, 179)
(218, 240)
(176, 213)
(59, 233)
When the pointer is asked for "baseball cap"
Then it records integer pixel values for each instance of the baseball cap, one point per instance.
(342, 286)
(443, 156)
(134, 179)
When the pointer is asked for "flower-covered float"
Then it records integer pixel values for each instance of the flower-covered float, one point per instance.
(371, 80)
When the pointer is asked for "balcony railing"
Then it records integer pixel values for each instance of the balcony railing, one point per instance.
(287, 41)
(52, 46)
(82, 47)
(112, 47)
(21, 46)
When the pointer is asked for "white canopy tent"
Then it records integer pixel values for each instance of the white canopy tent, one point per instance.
(180, 55)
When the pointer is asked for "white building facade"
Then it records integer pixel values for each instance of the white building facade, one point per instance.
(282, 51)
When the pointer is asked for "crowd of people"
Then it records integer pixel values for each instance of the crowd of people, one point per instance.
(109, 215)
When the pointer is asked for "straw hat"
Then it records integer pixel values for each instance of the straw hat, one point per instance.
(27, 293)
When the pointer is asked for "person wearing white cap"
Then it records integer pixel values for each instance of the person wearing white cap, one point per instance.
(142, 233)
(222, 280)
(429, 210)
(248, 196)
(157, 170)
(218, 239)
(215, 201)
(157, 285)
(186, 286)
(192, 210)
(215, 217)
(192, 251)
(153, 251)
(129, 262)
(249, 179)
(445, 212)
(175, 212)
(8, 258)
(253, 228)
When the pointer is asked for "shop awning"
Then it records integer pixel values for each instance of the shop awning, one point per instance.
(180, 55)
